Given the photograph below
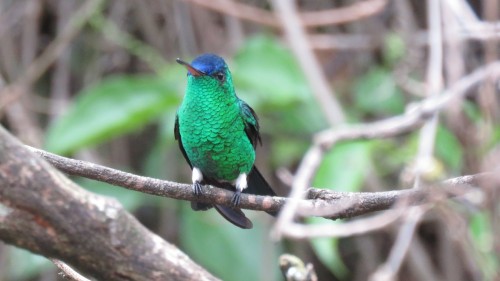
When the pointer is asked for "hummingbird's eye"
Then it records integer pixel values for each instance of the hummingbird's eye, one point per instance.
(220, 76)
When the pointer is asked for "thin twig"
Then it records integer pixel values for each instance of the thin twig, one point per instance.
(135, 46)
(427, 138)
(68, 272)
(286, 11)
(357, 227)
(388, 270)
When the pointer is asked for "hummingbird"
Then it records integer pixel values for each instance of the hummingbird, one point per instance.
(217, 133)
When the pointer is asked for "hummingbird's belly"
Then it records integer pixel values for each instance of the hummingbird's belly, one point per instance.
(221, 157)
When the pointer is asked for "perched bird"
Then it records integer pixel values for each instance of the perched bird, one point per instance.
(217, 133)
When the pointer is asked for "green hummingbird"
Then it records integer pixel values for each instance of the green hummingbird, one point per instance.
(217, 133)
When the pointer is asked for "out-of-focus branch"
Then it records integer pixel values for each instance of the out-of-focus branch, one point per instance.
(424, 161)
(341, 15)
(78, 20)
(287, 13)
(50, 54)
(353, 12)
(382, 129)
(46, 213)
(239, 10)
(135, 46)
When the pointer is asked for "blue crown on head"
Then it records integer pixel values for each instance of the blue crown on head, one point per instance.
(209, 63)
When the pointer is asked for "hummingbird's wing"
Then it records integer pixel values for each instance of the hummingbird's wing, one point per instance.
(177, 136)
(256, 182)
(251, 123)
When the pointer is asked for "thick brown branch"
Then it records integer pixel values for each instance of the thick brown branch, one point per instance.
(43, 211)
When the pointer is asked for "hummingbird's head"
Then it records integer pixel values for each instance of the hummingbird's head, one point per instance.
(208, 69)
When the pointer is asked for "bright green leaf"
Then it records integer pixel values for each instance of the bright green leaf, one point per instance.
(113, 107)
(267, 76)
(268, 71)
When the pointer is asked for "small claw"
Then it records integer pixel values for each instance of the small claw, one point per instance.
(197, 189)
(235, 201)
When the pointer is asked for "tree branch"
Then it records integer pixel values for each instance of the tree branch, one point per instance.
(46, 213)
(319, 202)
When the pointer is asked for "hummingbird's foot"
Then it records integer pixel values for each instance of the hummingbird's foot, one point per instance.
(241, 184)
(235, 201)
(197, 189)
(197, 178)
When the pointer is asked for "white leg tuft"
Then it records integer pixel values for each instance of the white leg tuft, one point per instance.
(196, 175)
(241, 182)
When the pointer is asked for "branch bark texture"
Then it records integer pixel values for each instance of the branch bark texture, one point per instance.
(43, 211)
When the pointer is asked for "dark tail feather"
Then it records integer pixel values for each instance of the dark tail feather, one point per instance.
(259, 186)
(198, 206)
(234, 216)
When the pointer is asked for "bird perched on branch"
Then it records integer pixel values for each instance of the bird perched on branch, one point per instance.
(217, 133)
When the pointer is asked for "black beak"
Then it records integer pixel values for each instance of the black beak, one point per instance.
(193, 71)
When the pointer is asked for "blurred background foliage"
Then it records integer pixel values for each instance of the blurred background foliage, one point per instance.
(111, 97)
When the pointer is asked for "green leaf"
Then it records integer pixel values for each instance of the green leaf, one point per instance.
(394, 48)
(327, 251)
(287, 151)
(111, 108)
(268, 70)
(345, 167)
(377, 93)
(483, 238)
(230, 253)
(268, 78)
(449, 149)
(472, 111)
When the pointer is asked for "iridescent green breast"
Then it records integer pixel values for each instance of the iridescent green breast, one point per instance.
(213, 134)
